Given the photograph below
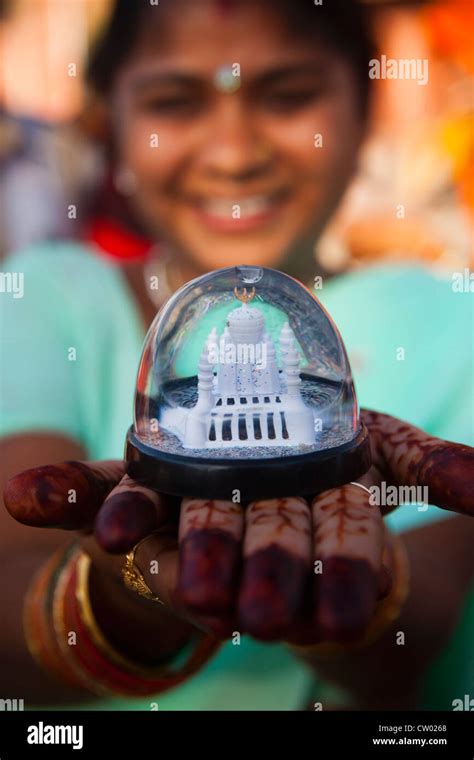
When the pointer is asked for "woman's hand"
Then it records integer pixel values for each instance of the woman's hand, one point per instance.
(225, 568)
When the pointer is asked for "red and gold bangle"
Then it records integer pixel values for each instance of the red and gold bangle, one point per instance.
(58, 606)
(37, 619)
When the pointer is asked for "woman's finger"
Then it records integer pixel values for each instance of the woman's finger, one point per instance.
(129, 513)
(66, 495)
(348, 543)
(409, 457)
(210, 538)
(157, 558)
(277, 561)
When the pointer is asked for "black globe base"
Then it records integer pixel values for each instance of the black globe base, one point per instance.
(206, 478)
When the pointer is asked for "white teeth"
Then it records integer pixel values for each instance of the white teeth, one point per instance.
(238, 208)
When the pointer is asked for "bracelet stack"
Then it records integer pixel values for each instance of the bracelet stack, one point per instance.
(64, 638)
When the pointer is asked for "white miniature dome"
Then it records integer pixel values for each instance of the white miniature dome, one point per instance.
(246, 323)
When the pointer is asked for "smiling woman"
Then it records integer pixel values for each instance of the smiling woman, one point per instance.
(236, 169)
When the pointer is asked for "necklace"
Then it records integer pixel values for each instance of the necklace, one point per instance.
(156, 273)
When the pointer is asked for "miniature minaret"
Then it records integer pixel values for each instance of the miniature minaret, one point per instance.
(196, 423)
(299, 423)
(286, 337)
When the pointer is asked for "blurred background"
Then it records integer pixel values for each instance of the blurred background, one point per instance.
(420, 152)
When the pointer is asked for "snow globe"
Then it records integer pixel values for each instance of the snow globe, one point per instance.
(244, 386)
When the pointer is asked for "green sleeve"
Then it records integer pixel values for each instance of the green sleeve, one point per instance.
(69, 348)
(39, 389)
(410, 341)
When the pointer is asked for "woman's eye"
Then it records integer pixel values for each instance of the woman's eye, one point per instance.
(290, 100)
(173, 106)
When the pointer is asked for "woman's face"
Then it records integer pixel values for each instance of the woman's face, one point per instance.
(233, 170)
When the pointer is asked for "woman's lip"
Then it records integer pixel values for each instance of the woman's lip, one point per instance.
(238, 215)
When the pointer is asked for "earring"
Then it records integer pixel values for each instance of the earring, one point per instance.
(125, 181)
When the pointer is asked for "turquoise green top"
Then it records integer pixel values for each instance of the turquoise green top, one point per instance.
(69, 354)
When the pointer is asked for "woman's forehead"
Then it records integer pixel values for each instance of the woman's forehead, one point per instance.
(172, 17)
(215, 32)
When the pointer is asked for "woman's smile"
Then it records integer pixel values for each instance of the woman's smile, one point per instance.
(239, 213)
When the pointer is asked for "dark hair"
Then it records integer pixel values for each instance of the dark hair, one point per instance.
(5, 9)
(342, 24)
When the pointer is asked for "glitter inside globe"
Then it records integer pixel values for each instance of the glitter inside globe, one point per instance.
(244, 386)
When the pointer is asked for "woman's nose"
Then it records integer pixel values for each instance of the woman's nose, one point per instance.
(234, 148)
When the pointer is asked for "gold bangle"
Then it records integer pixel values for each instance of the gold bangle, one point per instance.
(134, 579)
(61, 632)
(386, 612)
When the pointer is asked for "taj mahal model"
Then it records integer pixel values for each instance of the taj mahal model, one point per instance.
(244, 399)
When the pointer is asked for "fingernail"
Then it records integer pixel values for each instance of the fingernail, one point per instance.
(40, 497)
(208, 568)
(448, 473)
(345, 597)
(124, 520)
(271, 592)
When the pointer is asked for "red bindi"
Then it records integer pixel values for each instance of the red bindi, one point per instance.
(225, 7)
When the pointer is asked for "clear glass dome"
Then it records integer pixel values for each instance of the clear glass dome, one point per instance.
(244, 363)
